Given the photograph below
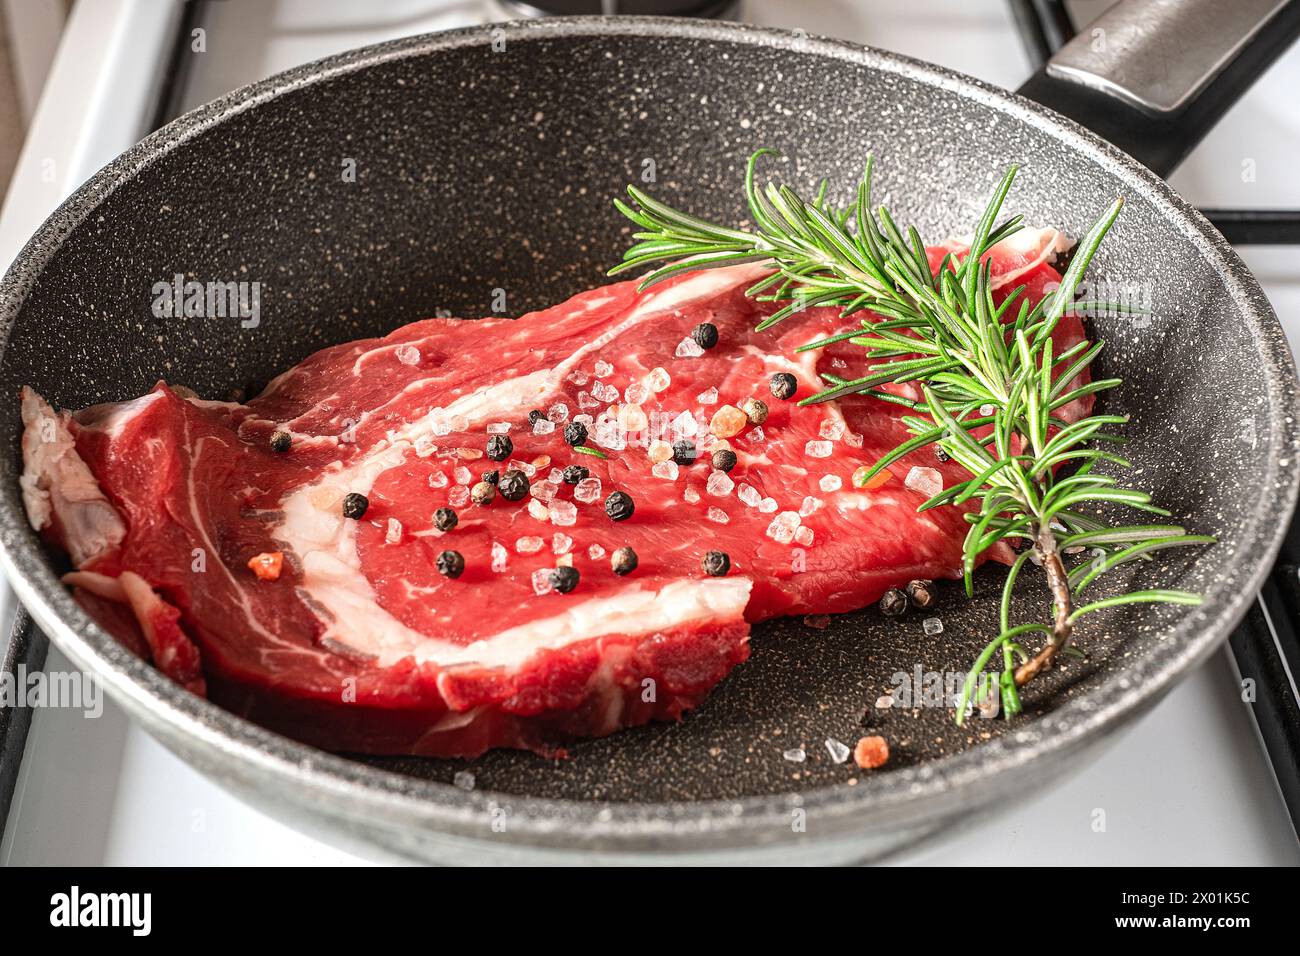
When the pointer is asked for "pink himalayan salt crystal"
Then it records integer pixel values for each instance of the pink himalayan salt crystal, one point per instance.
(727, 421)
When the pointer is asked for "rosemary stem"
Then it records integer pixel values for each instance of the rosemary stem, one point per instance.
(1059, 581)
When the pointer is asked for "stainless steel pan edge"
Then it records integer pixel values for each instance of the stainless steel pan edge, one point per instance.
(411, 817)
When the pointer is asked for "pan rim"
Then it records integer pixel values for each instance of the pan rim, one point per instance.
(905, 795)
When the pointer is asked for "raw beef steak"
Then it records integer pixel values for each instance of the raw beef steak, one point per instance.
(362, 643)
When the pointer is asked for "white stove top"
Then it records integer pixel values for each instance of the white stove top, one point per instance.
(1189, 784)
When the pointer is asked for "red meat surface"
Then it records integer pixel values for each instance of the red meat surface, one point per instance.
(360, 644)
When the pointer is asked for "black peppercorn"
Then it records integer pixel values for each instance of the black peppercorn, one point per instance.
(716, 563)
(893, 603)
(619, 506)
(575, 433)
(575, 473)
(450, 564)
(940, 453)
(564, 579)
(684, 452)
(705, 335)
(355, 505)
(491, 477)
(535, 416)
(724, 459)
(280, 441)
(444, 519)
(920, 593)
(783, 385)
(623, 561)
(499, 447)
(513, 485)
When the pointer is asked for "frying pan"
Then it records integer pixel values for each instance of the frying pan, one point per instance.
(486, 159)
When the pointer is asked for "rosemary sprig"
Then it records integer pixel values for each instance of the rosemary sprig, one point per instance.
(989, 380)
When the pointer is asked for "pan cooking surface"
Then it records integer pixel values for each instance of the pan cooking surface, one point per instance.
(800, 686)
(479, 170)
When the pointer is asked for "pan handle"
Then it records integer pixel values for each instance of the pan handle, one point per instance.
(1153, 76)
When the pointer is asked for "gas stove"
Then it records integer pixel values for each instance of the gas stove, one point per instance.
(1190, 783)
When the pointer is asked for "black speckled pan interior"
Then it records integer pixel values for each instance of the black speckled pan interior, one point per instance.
(486, 159)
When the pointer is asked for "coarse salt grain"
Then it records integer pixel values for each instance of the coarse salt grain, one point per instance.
(666, 470)
(830, 483)
(708, 397)
(783, 527)
(538, 509)
(587, 490)
(839, 752)
(437, 479)
(684, 426)
(462, 475)
(578, 377)
(632, 419)
(407, 354)
(688, 348)
(636, 393)
(795, 755)
(853, 439)
(529, 544)
(394, 533)
(542, 581)
(604, 393)
(690, 496)
(658, 379)
(727, 421)
(543, 426)
(595, 552)
(526, 467)
(659, 451)
(831, 429)
(558, 413)
(717, 516)
(458, 496)
(749, 495)
(561, 543)
(498, 428)
(719, 484)
(927, 481)
(809, 505)
(932, 626)
(818, 448)
(767, 505)
(602, 368)
(587, 400)
(543, 490)
(563, 513)
(500, 557)
(804, 535)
